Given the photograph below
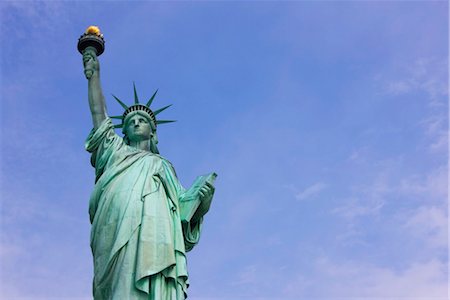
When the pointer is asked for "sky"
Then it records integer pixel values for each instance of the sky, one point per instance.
(326, 122)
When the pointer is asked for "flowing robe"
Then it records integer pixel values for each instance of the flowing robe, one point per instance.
(138, 241)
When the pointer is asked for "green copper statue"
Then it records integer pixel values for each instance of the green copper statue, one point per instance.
(143, 220)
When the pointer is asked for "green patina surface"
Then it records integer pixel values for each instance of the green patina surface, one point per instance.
(143, 220)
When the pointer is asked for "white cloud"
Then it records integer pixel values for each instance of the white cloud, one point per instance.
(357, 280)
(311, 191)
(430, 187)
(436, 131)
(424, 75)
(38, 233)
(371, 197)
(398, 87)
(256, 280)
(441, 143)
(434, 124)
(430, 225)
(355, 207)
(247, 276)
(297, 285)
(40, 15)
(429, 77)
(414, 204)
(366, 199)
(359, 155)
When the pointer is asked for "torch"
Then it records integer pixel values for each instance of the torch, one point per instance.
(91, 39)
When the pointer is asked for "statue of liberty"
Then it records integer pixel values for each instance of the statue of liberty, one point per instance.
(143, 220)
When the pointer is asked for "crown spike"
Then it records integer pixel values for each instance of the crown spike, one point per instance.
(136, 99)
(164, 121)
(136, 106)
(161, 109)
(151, 99)
(121, 103)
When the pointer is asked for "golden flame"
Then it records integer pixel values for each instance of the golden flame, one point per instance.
(93, 30)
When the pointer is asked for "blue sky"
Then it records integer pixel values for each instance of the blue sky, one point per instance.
(327, 123)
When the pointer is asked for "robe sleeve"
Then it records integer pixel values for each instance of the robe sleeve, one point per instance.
(103, 143)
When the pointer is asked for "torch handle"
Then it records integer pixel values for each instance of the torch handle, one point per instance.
(90, 48)
(89, 67)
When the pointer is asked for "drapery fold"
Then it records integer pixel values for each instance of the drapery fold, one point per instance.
(138, 241)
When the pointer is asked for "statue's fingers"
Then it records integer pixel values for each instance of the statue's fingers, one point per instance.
(209, 187)
(89, 54)
(201, 193)
(87, 59)
(92, 54)
(88, 50)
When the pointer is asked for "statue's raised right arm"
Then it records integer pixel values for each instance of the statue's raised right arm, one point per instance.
(95, 94)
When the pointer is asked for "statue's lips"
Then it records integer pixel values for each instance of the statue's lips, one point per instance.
(138, 130)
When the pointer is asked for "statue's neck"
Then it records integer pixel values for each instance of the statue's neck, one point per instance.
(141, 145)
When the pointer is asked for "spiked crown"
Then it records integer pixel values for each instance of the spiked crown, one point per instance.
(141, 108)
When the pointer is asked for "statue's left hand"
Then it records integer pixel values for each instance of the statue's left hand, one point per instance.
(206, 191)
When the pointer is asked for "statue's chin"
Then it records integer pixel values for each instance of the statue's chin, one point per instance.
(139, 139)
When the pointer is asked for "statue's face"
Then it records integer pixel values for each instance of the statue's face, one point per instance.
(138, 128)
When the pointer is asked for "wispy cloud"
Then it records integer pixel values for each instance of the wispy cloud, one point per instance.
(53, 232)
(311, 191)
(249, 275)
(390, 183)
(415, 204)
(252, 279)
(38, 15)
(359, 155)
(428, 75)
(430, 187)
(441, 142)
(398, 87)
(355, 279)
(356, 208)
(32, 23)
(429, 224)
(436, 131)
(366, 199)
